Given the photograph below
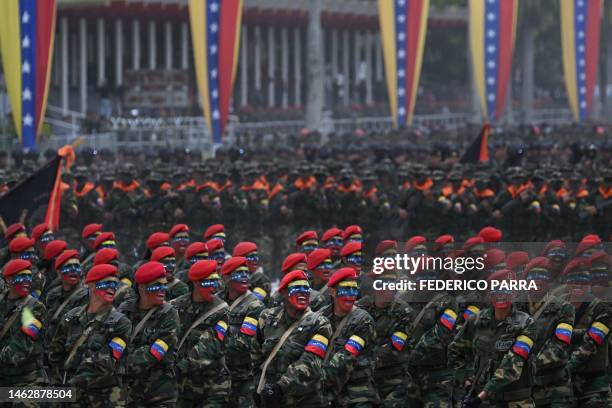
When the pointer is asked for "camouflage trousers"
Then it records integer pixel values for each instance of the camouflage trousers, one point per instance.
(241, 395)
(430, 389)
(101, 398)
(528, 403)
(554, 396)
(592, 392)
(207, 394)
(391, 388)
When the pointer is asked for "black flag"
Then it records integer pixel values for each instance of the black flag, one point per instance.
(478, 152)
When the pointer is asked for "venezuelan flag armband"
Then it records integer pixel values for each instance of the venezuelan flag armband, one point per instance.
(249, 326)
(448, 319)
(563, 332)
(158, 349)
(598, 332)
(117, 346)
(317, 345)
(522, 346)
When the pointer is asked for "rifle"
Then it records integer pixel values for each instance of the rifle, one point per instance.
(468, 395)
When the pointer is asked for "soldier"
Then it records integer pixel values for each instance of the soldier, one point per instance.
(23, 248)
(179, 240)
(320, 267)
(601, 279)
(89, 234)
(244, 310)
(589, 362)
(21, 320)
(52, 251)
(260, 283)
(293, 343)
(352, 256)
(348, 364)
(332, 240)
(197, 251)
(150, 355)
(166, 256)
(307, 242)
(294, 261)
(203, 378)
(499, 339)
(124, 291)
(87, 350)
(10, 233)
(216, 252)
(216, 231)
(42, 235)
(107, 240)
(352, 233)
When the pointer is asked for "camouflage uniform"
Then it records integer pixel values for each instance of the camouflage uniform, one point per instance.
(589, 362)
(297, 368)
(500, 351)
(97, 365)
(176, 288)
(348, 379)
(320, 298)
(204, 379)
(55, 298)
(151, 381)
(261, 286)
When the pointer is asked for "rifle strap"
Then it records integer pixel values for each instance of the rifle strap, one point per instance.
(199, 320)
(419, 317)
(239, 300)
(80, 340)
(9, 323)
(337, 332)
(539, 312)
(65, 302)
(142, 322)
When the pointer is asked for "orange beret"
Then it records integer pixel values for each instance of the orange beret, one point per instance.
(90, 229)
(161, 253)
(213, 230)
(330, 233)
(413, 242)
(516, 259)
(149, 271)
(290, 277)
(195, 248)
(39, 230)
(555, 243)
(473, 241)
(317, 257)
(502, 275)
(201, 270)
(351, 230)
(341, 275)
(214, 244)
(13, 229)
(15, 266)
(575, 265)
(244, 248)
(106, 255)
(350, 248)
(54, 248)
(291, 260)
(490, 234)
(494, 257)
(178, 228)
(99, 272)
(231, 264)
(537, 262)
(65, 256)
(20, 244)
(104, 236)
(384, 246)
(156, 239)
(305, 236)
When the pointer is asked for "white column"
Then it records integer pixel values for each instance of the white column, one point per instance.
(271, 66)
(152, 46)
(258, 58)
(101, 52)
(74, 59)
(285, 65)
(118, 52)
(356, 60)
(369, 65)
(168, 47)
(184, 45)
(378, 57)
(64, 59)
(244, 66)
(334, 52)
(297, 65)
(345, 65)
(135, 45)
(83, 59)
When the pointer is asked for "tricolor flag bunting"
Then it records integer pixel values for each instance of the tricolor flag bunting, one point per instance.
(403, 25)
(27, 30)
(492, 34)
(580, 21)
(215, 33)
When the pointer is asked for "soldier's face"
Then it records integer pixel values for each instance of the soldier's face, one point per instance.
(91, 240)
(71, 272)
(180, 242)
(298, 294)
(354, 260)
(21, 283)
(334, 244)
(345, 295)
(252, 261)
(541, 277)
(208, 287)
(501, 299)
(105, 289)
(600, 278)
(155, 292)
(324, 270)
(308, 246)
(45, 239)
(578, 284)
(239, 279)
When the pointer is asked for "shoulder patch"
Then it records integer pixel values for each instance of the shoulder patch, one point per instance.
(221, 329)
(398, 340)
(563, 332)
(448, 319)
(470, 311)
(317, 345)
(158, 349)
(598, 332)
(354, 345)
(249, 326)
(522, 346)
(260, 293)
(117, 345)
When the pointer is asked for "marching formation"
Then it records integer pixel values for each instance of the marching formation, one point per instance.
(193, 324)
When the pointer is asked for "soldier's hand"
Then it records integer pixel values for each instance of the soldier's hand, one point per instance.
(271, 394)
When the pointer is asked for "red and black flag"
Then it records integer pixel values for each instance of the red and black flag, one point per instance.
(478, 152)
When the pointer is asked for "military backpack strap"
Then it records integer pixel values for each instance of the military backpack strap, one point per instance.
(277, 347)
(337, 332)
(199, 320)
(142, 322)
(539, 312)
(80, 340)
(419, 317)
(9, 323)
(65, 302)
(239, 300)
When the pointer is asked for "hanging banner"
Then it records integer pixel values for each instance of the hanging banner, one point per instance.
(27, 31)
(492, 35)
(403, 26)
(580, 22)
(215, 33)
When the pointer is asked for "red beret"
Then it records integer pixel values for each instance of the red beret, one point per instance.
(553, 244)
(291, 260)
(516, 259)
(195, 248)
(16, 265)
(214, 244)
(106, 255)
(149, 271)
(592, 237)
(443, 240)
(231, 264)
(494, 257)
(351, 230)
(244, 248)
(502, 275)
(490, 234)
(306, 236)
(330, 233)
(537, 262)
(156, 239)
(599, 257)
(104, 236)
(13, 229)
(414, 241)
(340, 275)
(350, 248)
(290, 277)
(587, 243)
(99, 272)
(317, 257)
(576, 264)
(473, 241)
(39, 230)
(385, 246)
(20, 244)
(54, 248)
(161, 253)
(213, 230)
(65, 256)
(201, 270)
(178, 228)
(90, 229)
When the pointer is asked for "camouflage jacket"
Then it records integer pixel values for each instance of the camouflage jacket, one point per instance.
(97, 361)
(261, 286)
(500, 350)
(320, 298)
(297, 367)
(176, 288)
(348, 365)
(20, 355)
(77, 296)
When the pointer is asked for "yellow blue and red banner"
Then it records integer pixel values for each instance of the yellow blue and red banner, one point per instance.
(27, 32)
(580, 22)
(492, 35)
(215, 33)
(403, 26)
